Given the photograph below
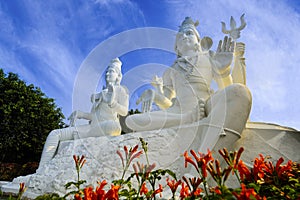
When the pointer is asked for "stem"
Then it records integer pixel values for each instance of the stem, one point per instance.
(237, 176)
(78, 178)
(148, 164)
(125, 168)
(205, 189)
(139, 190)
(204, 183)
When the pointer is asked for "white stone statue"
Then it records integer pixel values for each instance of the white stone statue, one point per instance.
(192, 116)
(184, 94)
(103, 118)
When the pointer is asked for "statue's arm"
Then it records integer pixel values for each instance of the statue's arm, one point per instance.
(163, 100)
(161, 95)
(239, 69)
(79, 115)
(164, 92)
(221, 61)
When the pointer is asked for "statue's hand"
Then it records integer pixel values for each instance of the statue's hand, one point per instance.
(73, 118)
(110, 96)
(224, 54)
(146, 99)
(157, 83)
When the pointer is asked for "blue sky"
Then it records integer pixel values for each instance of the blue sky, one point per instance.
(47, 42)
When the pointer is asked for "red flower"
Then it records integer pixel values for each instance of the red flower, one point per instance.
(245, 193)
(189, 159)
(258, 168)
(158, 191)
(232, 158)
(144, 190)
(100, 192)
(237, 157)
(282, 170)
(129, 155)
(88, 193)
(173, 184)
(202, 160)
(79, 161)
(22, 188)
(193, 186)
(244, 172)
(216, 190)
(112, 194)
(77, 197)
(185, 191)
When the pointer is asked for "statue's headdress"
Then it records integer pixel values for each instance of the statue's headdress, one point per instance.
(115, 63)
(189, 23)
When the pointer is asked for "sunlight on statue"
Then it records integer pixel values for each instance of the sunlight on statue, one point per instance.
(184, 93)
(103, 119)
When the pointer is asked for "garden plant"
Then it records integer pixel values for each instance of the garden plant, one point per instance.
(266, 179)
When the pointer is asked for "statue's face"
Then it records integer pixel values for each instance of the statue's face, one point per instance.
(186, 40)
(111, 75)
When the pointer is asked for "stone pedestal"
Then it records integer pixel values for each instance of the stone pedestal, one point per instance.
(165, 147)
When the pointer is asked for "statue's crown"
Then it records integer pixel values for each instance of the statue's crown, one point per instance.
(188, 23)
(115, 63)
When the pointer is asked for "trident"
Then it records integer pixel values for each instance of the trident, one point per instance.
(234, 32)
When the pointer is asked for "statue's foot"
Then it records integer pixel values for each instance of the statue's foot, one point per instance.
(199, 112)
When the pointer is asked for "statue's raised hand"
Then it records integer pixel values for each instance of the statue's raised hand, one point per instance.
(224, 54)
(110, 96)
(146, 99)
(73, 118)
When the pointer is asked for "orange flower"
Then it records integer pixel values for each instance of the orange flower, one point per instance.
(22, 188)
(100, 192)
(144, 190)
(232, 158)
(237, 158)
(258, 168)
(112, 194)
(185, 191)
(281, 171)
(173, 184)
(77, 197)
(188, 159)
(244, 171)
(193, 186)
(216, 190)
(202, 160)
(88, 193)
(79, 161)
(197, 192)
(158, 191)
(129, 155)
(245, 193)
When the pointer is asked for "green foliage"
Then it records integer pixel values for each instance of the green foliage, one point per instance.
(8, 171)
(27, 116)
(52, 196)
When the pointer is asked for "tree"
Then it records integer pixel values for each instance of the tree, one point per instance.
(26, 118)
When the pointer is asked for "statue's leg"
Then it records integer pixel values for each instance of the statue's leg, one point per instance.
(230, 107)
(52, 143)
(103, 128)
(157, 120)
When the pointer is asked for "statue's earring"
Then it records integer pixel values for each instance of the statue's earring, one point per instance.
(197, 47)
